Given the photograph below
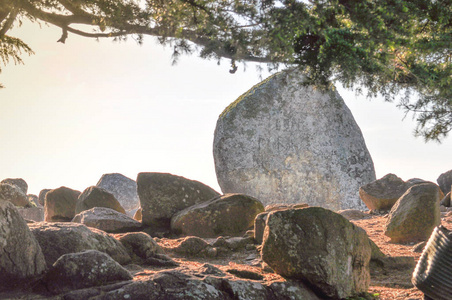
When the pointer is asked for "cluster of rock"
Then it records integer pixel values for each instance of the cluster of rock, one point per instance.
(414, 206)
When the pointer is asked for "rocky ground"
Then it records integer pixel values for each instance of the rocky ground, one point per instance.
(246, 264)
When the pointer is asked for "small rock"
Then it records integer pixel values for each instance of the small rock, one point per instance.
(97, 197)
(353, 214)
(107, 219)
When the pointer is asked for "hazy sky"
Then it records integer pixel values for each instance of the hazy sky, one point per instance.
(78, 110)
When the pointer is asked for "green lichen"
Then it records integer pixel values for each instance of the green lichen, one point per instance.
(248, 93)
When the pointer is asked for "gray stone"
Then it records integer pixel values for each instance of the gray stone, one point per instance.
(123, 188)
(319, 247)
(21, 257)
(32, 213)
(82, 270)
(97, 197)
(107, 219)
(61, 238)
(292, 290)
(415, 214)
(140, 246)
(42, 196)
(13, 194)
(227, 215)
(446, 200)
(284, 142)
(34, 200)
(381, 194)
(445, 181)
(59, 204)
(162, 195)
(19, 182)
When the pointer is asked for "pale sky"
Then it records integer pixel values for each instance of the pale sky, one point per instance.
(78, 110)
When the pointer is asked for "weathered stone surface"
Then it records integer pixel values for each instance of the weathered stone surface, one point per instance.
(230, 215)
(292, 290)
(13, 194)
(353, 214)
(445, 181)
(415, 214)
(59, 204)
(283, 142)
(123, 188)
(162, 195)
(279, 206)
(107, 219)
(57, 239)
(319, 247)
(84, 269)
(190, 246)
(42, 196)
(138, 215)
(19, 182)
(21, 257)
(32, 213)
(381, 194)
(140, 246)
(97, 197)
(446, 200)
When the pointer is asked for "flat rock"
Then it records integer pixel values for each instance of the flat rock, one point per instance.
(227, 215)
(21, 258)
(61, 238)
(284, 142)
(162, 195)
(107, 219)
(123, 188)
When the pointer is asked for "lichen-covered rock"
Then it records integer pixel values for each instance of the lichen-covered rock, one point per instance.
(123, 188)
(34, 200)
(415, 214)
(229, 215)
(13, 194)
(19, 182)
(107, 219)
(162, 195)
(59, 204)
(82, 270)
(445, 181)
(140, 245)
(283, 141)
(319, 247)
(21, 257)
(97, 197)
(42, 196)
(57, 239)
(381, 194)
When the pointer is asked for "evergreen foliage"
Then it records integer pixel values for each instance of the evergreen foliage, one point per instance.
(399, 49)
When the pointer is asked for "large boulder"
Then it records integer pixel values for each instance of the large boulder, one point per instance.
(415, 214)
(57, 239)
(230, 215)
(383, 193)
(283, 141)
(107, 219)
(319, 247)
(445, 181)
(82, 270)
(19, 182)
(59, 204)
(123, 188)
(97, 197)
(162, 195)
(21, 257)
(13, 194)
